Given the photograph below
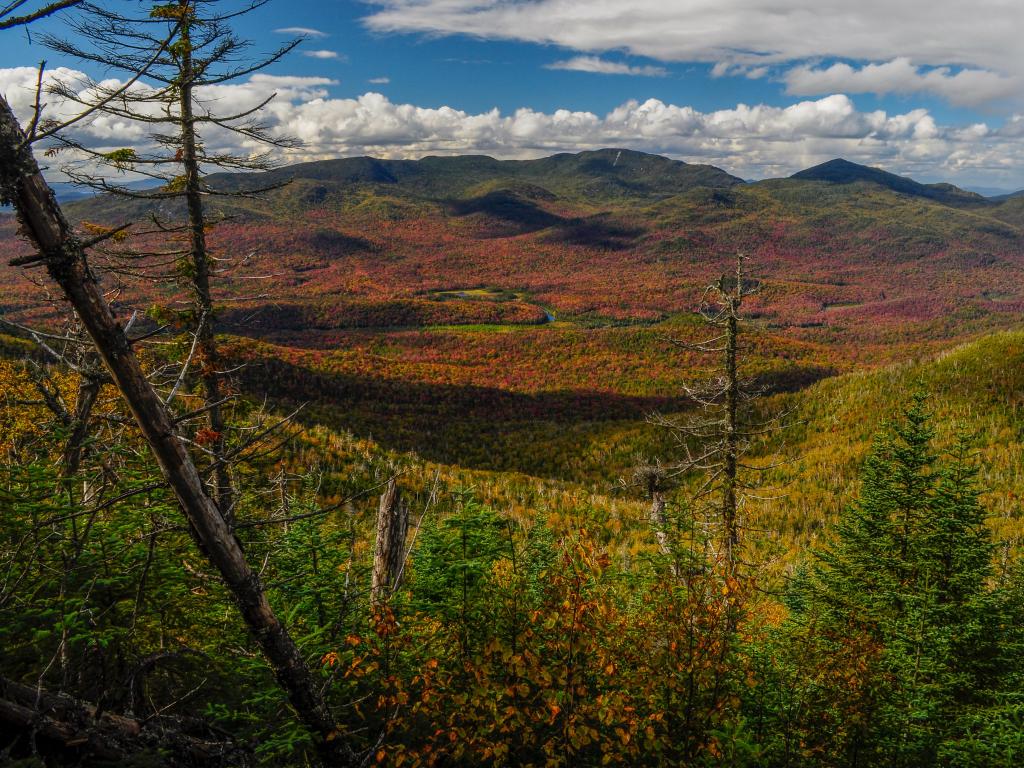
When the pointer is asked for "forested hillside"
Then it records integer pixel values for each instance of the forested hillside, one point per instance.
(601, 458)
(531, 549)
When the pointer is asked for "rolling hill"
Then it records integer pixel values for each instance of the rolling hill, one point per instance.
(499, 334)
(525, 305)
(602, 172)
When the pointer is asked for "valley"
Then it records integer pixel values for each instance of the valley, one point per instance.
(461, 306)
(497, 338)
(511, 384)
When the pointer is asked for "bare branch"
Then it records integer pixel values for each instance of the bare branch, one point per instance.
(9, 22)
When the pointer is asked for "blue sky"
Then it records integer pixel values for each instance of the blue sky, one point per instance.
(761, 88)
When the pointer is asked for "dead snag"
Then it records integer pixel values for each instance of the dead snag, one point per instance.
(389, 552)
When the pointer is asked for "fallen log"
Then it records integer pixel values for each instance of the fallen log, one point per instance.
(74, 731)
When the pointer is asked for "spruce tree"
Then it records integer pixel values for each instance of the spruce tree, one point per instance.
(906, 581)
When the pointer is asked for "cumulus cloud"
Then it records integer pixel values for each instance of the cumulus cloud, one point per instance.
(379, 80)
(968, 87)
(747, 140)
(321, 54)
(305, 31)
(604, 67)
(981, 36)
(105, 132)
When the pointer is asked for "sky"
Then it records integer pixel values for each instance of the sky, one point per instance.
(762, 88)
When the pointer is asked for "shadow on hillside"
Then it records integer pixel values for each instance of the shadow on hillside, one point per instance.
(506, 212)
(544, 434)
(599, 231)
(332, 243)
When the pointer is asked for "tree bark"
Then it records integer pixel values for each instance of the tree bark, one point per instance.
(659, 524)
(43, 223)
(731, 453)
(389, 551)
(88, 391)
(209, 357)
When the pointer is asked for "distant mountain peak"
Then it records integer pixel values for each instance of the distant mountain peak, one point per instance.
(842, 171)
(619, 153)
(839, 164)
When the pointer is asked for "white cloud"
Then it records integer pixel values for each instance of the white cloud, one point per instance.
(105, 132)
(747, 140)
(605, 67)
(379, 80)
(981, 36)
(304, 31)
(968, 87)
(321, 54)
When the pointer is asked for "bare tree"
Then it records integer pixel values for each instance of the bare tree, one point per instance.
(718, 433)
(183, 47)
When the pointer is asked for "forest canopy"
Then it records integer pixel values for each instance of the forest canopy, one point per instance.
(670, 494)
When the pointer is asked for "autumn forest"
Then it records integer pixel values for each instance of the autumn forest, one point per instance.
(598, 458)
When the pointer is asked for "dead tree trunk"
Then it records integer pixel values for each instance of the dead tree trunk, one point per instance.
(659, 522)
(79, 731)
(206, 320)
(88, 391)
(389, 552)
(654, 480)
(43, 223)
(730, 511)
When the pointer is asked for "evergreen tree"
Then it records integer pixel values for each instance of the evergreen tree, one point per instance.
(452, 564)
(906, 582)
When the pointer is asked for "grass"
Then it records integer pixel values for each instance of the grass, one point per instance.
(479, 294)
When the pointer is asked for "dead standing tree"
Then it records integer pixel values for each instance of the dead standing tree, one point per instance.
(185, 47)
(389, 548)
(715, 438)
(653, 480)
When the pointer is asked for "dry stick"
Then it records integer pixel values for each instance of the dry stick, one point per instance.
(188, 362)
(37, 107)
(9, 22)
(431, 499)
(43, 223)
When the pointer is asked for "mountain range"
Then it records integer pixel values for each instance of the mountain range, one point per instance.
(521, 297)
(600, 170)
